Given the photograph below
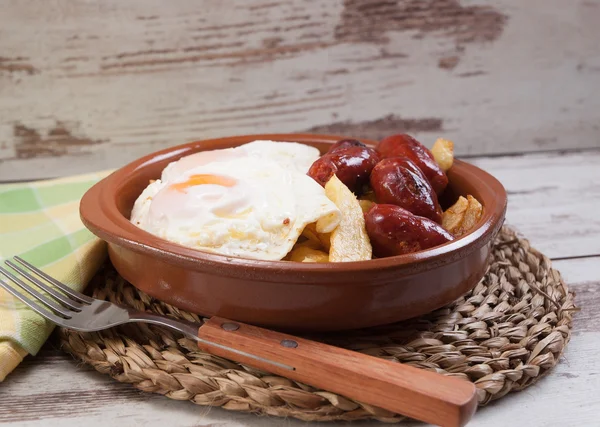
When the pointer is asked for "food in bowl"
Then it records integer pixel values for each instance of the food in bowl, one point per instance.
(273, 200)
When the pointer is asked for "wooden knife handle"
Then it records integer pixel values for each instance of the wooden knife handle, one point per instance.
(416, 393)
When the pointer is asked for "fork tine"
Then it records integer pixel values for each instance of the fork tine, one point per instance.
(74, 305)
(46, 301)
(35, 307)
(73, 294)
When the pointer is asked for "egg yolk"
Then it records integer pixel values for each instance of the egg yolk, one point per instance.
(203, 179)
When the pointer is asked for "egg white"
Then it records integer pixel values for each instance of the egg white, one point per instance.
(259, 204)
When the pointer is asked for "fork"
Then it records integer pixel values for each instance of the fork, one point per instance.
(416, 393)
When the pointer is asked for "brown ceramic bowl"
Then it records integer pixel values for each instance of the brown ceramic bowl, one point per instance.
(282, 294)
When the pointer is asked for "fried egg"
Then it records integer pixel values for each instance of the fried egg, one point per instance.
(251, 201)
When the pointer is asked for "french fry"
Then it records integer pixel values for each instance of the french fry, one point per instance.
(461, 217)
(327, 223)
(323, 239)
(368, 195)
(472, 215)
(443, 153)
(453, 217)
(309, 244)
(365, 205)
(310, 232)
(302, 253)
(349, 240)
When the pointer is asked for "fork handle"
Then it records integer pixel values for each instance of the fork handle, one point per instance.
(416, 393)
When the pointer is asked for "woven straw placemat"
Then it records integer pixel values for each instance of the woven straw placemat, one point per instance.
(504, 335)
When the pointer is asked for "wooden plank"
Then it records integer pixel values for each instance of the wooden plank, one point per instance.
(97, 84)
(52, 388)
(553, 199)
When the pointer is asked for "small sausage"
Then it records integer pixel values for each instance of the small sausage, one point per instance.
(395, 231)
(351, 163)
(406, 146)
(398, 181)
(345, 143)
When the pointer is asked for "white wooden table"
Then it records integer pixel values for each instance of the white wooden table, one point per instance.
(90, 85)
